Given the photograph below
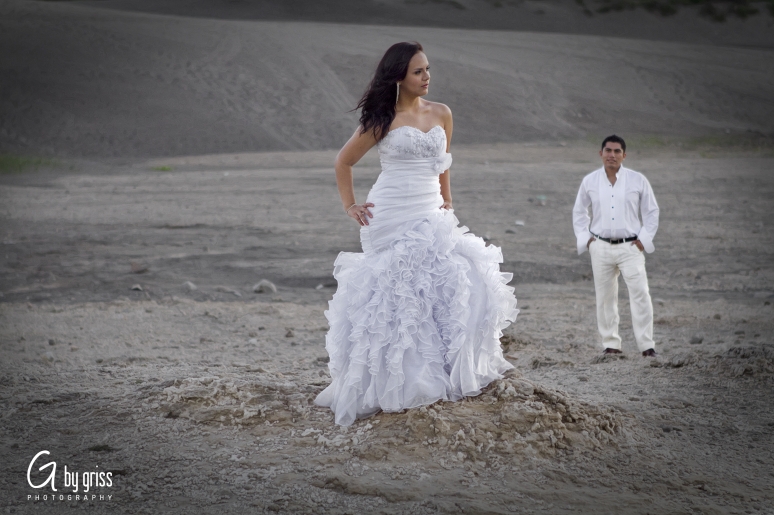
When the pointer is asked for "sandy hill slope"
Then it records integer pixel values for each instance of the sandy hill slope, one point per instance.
(561, 16)
(78, 80)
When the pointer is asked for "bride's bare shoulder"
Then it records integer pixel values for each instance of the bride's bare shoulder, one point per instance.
(440, 113)
(439, 109)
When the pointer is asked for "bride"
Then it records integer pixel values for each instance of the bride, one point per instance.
(418, 314)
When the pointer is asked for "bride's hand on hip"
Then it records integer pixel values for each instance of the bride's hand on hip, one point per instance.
(447, 205)
(360, 213)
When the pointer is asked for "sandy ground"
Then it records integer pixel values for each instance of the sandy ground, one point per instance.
(78, 81)
(201, 399)
(191, 159)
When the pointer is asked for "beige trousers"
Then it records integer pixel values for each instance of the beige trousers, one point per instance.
(607, 262)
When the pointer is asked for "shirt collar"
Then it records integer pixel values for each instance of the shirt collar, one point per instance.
(618, 173)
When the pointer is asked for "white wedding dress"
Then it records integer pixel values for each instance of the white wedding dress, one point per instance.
(418, 315)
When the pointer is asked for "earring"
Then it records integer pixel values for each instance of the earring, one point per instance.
(397, 93)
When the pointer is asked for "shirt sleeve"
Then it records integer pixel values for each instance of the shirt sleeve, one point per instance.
(649, 213)
(581, 218)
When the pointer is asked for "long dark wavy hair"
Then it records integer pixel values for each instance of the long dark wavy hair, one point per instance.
(378, 102)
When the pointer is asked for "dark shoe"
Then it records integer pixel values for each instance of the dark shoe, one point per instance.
(650, 353)
(608, 350)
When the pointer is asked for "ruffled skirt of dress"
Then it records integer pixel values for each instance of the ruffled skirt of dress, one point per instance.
(416, 322)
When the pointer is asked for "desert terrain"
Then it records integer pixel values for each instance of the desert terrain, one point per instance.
(156, 167)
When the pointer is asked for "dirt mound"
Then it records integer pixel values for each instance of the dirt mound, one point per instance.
(512, 416)
(747, 360)
(260, 399)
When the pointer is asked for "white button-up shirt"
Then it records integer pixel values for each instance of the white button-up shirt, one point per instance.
(618, 211)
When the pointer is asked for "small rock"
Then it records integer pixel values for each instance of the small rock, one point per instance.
(51, 341)
(740, 332)
(252, 341)
(523, 387)
(73, 348)
(583, 378)
(232, 291)
(188, 285)
(290, 333)
(324, 359)
(136, 287)
(252, 334)
(542, 200)
(658, 301)
(696, 339)
(101, 448)
(607, 358)
(520, 223)
(98, 360)
(717, 316)
(48, 356)
(666, 429)
(510, 231)
(264, 286)
(38, 297)
(138, 268)
(319, 287)
(680, 360)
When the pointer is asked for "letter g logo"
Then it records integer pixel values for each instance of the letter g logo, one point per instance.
(50, 477)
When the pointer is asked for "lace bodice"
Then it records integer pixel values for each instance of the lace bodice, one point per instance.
(407, 149)
(408, 142)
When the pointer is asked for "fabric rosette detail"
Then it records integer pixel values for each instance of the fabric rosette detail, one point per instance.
(443, 163)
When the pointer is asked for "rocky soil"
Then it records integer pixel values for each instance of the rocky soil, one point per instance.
(132, 342)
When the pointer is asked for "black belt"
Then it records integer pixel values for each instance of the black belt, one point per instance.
(615, 242)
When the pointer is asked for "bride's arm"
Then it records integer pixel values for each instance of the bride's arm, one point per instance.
(348, 156)
(445, 177)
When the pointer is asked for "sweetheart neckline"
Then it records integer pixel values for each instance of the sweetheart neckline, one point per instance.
(416, 129)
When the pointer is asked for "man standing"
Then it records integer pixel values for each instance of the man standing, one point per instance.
(624, 220)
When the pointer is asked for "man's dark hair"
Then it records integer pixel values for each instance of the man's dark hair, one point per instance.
(615, 139)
